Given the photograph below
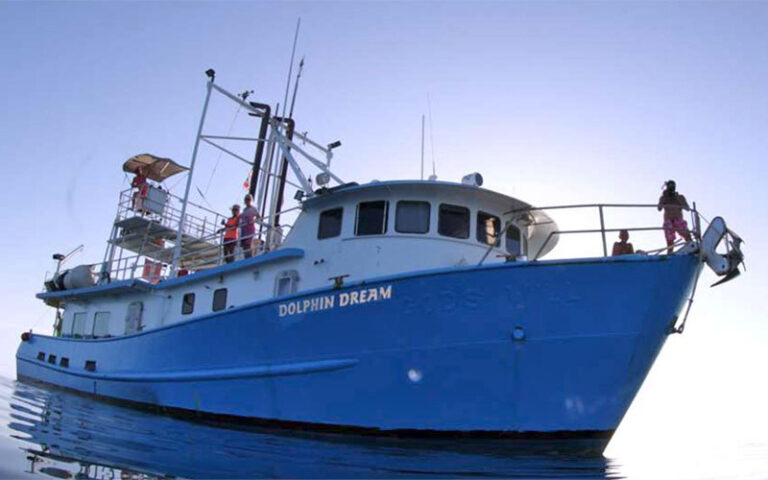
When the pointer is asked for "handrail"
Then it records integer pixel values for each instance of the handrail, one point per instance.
(695, 227)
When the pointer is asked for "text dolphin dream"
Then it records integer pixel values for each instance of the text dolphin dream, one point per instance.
(336, 300)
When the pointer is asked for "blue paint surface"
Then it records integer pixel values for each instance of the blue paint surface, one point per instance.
(440, 354)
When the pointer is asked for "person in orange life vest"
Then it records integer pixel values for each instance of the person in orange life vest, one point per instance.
(230, 234)
(139, 182)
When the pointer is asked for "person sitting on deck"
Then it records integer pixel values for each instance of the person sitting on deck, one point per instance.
(623, 247)
(673, 205)
(248, 218)
(230, 234)
(139, 182)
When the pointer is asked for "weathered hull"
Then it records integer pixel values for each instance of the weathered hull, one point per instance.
(539, 350)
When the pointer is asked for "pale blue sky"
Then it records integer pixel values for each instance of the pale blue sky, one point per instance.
(553, 102)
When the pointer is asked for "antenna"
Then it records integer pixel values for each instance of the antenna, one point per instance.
(290, 67)
(296, 87)
(422, 147)
(431, 139)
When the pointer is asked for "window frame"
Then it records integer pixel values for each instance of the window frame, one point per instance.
(184, 303)
(320, 223)
(485, 231)
(84, 316)
(216, 294)
(520, 240)
(413, 202)
(292, 276)
(385, 218)
(456, 208)
(93, 328)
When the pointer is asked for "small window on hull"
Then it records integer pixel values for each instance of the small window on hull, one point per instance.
(286, 283)
(412, 217)
(188, 304)
(371, 218)
(488, 228)
(219, 299)
(330, 223)
(453, 221)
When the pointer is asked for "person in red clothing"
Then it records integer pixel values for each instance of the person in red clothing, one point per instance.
(230, 234)
(139, 182)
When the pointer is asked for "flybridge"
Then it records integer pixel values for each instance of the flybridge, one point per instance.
(158, 235)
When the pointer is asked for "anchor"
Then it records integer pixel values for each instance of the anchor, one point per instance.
(724, 265)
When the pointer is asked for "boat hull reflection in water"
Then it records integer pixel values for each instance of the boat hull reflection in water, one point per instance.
(65, 435)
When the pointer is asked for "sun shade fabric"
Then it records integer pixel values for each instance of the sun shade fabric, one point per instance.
(155, 168)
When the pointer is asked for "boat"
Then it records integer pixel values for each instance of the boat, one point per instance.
(401, 308)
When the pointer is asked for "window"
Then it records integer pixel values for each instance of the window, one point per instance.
(371, 218)
(188, 304)
(453, 221)
(101, 324)
(78, 324)
(488, 228)
(330, 223)
(219, 299)
(412, 217)
(286, 283)
(514, 242)
(133, 317)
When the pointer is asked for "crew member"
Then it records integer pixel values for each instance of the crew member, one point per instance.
(247, 226)
(622, 247)
(230, 234)
(139, 182)
(673, 204)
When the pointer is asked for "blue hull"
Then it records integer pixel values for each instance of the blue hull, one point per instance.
(539, 348)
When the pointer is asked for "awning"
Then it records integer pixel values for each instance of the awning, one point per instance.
(155, 168)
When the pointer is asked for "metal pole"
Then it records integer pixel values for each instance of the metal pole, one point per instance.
(602, 231)
(177, 253)
(422, 147)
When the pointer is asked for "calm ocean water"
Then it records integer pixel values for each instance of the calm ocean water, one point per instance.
(50, 433)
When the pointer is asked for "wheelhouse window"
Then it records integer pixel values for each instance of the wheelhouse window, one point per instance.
(101, 324)
(219, 299)
(330, 223)
(188, 304)
(488, 228)
(371, 218)
(453, 221)
(513, 241)
(412, 217)
(78, 324)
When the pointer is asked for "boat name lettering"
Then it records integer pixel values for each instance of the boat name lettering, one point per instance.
(344, 299)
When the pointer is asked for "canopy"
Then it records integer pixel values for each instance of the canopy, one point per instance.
(155, 168)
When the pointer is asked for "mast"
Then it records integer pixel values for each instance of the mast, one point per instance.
(177, 254)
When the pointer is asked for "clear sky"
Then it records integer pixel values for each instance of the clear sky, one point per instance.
(552, 102)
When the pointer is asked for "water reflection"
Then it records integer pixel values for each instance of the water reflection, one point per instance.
(67, 436)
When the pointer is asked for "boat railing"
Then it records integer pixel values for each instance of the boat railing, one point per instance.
(600, 209)
(208, 253)
(163, 208)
